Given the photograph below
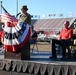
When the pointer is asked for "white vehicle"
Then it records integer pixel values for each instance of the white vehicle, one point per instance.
(54, 36)
(42, 37)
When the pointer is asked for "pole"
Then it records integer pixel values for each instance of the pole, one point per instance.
(1, 6)
(17, 7)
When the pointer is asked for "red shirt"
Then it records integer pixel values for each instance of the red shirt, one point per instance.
(66, 33)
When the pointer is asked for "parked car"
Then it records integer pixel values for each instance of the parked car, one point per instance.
(42, 37)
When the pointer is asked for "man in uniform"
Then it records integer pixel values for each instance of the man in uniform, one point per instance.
(25, 17)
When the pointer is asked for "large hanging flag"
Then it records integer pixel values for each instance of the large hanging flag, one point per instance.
(16, 34)
(16, 37)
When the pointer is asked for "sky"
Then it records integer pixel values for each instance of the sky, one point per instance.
(42, 7)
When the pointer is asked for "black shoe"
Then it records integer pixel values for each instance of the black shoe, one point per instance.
(51, 57)
(74, 57)
(63, 58)
(68, 57)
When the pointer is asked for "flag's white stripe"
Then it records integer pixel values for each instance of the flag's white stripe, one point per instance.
(7, 42)
(8, 29)
(12, 29)
(5, 20)
(10, 42)
(8, 17)
(5, 17)
(17, 28)
(19, 40)
(11, 17)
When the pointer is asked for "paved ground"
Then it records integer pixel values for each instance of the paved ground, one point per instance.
(1, 55)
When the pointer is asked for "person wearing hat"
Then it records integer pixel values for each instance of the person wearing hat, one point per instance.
(25, 17)
(64, 40)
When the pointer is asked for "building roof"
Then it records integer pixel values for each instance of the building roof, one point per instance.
(50, 24)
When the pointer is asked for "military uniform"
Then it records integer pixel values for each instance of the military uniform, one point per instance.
(74, 33)
(74, 36)
(25, 18)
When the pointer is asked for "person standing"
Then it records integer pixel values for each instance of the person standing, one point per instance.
(25, 17)
(33, 35)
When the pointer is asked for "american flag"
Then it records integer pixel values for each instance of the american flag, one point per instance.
(15, 36)
(6, 17)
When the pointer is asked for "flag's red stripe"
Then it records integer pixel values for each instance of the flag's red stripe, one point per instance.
(8, 18)
(15, 48)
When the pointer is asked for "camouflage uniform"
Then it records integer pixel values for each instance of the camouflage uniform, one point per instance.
(74, 33)
(25, 18)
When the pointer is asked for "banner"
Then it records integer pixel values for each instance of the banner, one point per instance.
(15, 36)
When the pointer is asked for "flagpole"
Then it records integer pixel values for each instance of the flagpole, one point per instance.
(17, 7)
(1, 6)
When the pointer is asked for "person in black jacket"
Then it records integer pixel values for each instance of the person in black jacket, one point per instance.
(33, 37)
